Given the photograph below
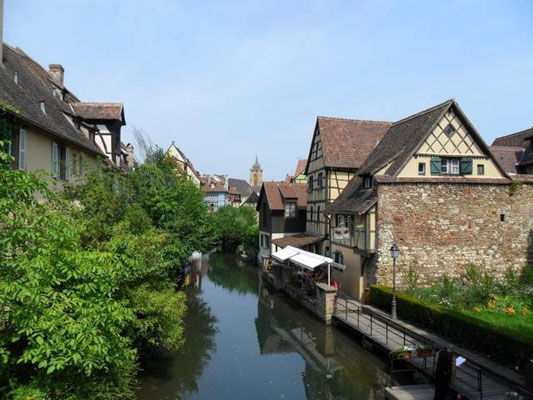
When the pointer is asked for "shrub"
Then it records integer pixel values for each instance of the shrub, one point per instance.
(510, 347)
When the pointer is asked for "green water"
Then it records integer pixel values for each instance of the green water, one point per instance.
(245, 342)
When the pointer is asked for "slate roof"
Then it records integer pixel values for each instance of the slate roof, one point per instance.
(527, 155)
(507, 156)
(104, 111)
(402, 139)
(346, 143)
(241, 186)
(514, 139)
(275, 193)
(253, 199)
(354, 199)
(34, 86)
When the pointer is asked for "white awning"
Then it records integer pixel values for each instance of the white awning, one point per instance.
(286, 253)
(306, 261)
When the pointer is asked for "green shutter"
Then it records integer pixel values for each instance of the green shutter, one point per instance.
(466, 166)
(435, 165)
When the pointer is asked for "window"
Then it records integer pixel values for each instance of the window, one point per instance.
(320, 181)
(368, 182)
(311, 214)
(22, 149)
(338, 257)
(502, 217)
(290, 210)
(60, 161)
(43, 107)
(310, 182)
(318, 214)
(422, 168)
(481, 169)
(449, 166)
(449, 130)
(16, 78)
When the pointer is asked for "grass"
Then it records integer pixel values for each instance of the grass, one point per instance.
(520, 326)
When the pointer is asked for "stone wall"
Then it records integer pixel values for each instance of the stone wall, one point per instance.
(440, 228)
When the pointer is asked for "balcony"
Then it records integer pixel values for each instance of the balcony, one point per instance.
(357, 238)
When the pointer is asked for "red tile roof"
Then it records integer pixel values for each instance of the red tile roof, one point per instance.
(106, 111)
(300, 167)
(507, 156)
(276, 192)
(346, 143)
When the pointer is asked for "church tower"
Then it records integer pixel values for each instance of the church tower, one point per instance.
(256, 175)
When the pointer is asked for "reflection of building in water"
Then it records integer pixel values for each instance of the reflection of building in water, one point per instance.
(331, 359)
(193, 271)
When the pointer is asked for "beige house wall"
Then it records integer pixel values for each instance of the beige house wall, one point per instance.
(350, 280)
(460, 144)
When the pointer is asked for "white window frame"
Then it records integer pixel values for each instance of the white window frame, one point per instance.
(367, 182)
(290, 209)
(422, 171)
(450, 166)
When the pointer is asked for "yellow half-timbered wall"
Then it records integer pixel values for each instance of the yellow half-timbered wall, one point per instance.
(460, 143)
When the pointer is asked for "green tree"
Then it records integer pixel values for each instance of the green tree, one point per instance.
(233, 227)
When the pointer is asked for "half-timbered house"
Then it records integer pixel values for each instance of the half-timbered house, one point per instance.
(338, 149)
(433, 187)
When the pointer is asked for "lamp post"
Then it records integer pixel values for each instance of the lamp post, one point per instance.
(394, 252)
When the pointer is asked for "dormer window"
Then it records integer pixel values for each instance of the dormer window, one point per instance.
(16, 78)
(449, 130)
(367, 182)
(290, 210)
(43, 107)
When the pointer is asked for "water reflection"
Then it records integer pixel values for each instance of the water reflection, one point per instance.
(243, 341)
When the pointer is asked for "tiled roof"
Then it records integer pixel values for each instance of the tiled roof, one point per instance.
(34, 86)
(507, 156)
(300, 167)
(346, 143)
(353, 199)
(218, 188)
(105, 111)
(527, 155)
(254, 197)
(514, 139)
(298, 240)
(276, 192)
(241, 186)
(402, 139)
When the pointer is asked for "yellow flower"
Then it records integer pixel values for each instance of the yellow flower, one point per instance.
(477, 309)
(491, 304)
(525, 311)
(510, 310)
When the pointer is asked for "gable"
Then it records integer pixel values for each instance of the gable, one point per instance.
(315, 160)
(453, 137)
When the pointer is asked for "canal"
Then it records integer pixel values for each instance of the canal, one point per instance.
(245, 342)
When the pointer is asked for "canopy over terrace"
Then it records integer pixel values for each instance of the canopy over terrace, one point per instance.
(304, 259)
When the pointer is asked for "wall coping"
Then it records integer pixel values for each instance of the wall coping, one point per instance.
(384, 180)
(326, 288)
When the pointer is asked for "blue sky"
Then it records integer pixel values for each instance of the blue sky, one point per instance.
(227, 79)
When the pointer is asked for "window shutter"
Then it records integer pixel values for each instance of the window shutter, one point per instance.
(55, 160)
(22, 149)
(435, 165)
(67, 163)
(466, 166)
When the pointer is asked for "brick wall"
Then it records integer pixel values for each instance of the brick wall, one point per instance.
(441, 228)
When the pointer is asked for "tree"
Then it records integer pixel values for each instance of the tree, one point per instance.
(234, 226)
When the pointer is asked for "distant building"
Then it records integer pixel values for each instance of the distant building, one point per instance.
(251, 201)
(183, 163)
(282, 209)
(299, 173)
(256, 176)
(242, 187)
(216, 194)
(515, 152)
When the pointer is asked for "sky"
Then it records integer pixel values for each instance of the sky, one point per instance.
(225, 80)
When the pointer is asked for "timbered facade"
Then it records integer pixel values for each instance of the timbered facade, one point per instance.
(338, 148)
(409, 191)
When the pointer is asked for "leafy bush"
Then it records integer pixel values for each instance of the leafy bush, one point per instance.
(88, 279)
(235, 226)
(512, 345)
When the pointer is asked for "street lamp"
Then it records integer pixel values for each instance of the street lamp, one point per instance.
(394, 252)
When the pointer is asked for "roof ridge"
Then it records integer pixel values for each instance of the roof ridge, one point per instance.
(96, 103)
(418, 114)
(514, 134)
(354, 120)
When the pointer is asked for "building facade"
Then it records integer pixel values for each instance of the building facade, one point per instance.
(282, 210)
(49, 128)
(433, 187)
(338, 149)
(183, 163)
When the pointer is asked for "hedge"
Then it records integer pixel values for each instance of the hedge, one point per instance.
(463, 330)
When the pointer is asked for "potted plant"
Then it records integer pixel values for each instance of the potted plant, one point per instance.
(424, 350)
(402, 353)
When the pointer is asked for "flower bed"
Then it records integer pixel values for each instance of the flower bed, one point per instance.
(510, 344)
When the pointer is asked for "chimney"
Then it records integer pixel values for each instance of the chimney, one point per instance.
(129, 156)
(57, 73)
(2, 33)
